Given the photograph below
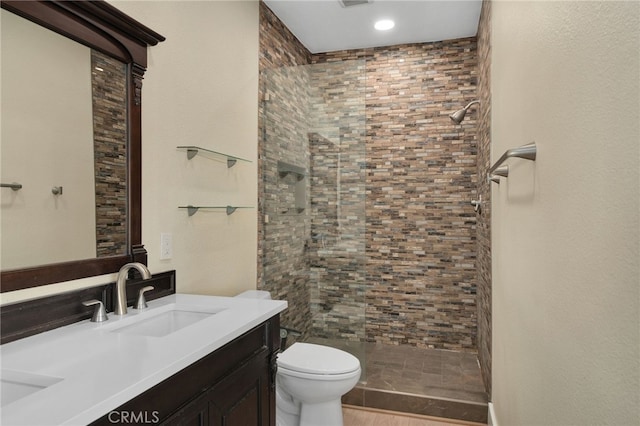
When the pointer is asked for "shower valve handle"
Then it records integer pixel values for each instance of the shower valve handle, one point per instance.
(477, 204)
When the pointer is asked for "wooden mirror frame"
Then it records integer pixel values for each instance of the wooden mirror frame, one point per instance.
(99, 26)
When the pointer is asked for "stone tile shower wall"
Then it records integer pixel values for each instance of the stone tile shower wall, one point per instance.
(314, 239)
(421, 177)
(310, 118)
(338, 192)
(283, 129)
(109, 93)
(484, 190)
(285, 268)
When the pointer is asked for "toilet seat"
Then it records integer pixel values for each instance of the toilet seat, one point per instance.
(309, 360)
(319, 377)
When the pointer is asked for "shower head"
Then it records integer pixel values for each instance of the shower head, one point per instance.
(458, 116)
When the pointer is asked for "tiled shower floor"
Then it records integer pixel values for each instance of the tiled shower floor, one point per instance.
(414, 380)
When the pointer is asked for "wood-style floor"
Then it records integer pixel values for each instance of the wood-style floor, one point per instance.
(358, 416)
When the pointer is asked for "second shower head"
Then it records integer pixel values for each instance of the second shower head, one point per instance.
(458, 116)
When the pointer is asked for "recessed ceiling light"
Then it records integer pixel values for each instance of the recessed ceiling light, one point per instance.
(384, 24)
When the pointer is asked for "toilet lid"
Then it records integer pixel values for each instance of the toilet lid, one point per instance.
(317, 359)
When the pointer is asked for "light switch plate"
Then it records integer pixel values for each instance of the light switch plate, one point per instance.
(166, 246)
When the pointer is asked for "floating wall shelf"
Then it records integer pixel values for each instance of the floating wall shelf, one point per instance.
(191, 210)
(192, 151)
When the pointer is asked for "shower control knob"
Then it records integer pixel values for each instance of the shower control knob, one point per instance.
(477, 204)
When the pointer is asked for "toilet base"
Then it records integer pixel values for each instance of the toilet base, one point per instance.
(287, 410)
(322, 414)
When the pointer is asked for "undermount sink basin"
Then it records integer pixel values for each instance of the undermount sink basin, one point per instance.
(166, 322)
(15, 385)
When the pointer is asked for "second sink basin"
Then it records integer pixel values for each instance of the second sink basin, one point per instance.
(15, 385)
(166, 322)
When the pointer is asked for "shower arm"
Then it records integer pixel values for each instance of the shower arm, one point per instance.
(470, 103)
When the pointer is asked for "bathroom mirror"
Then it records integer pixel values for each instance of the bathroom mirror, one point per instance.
(114, 47)
(64, 140)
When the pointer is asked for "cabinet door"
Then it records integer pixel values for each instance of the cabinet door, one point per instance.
(242, 398)
(195, 413)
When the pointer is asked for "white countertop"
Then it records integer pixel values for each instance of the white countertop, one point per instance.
(102, 369)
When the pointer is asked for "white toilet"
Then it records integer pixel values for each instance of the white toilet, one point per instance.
(310, 382)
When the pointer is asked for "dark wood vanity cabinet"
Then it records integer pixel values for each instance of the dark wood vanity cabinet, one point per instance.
(241, 398)
(235, 385)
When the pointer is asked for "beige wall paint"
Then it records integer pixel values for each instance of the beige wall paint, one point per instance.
(200, 89)
(566, 228)
(47, 134)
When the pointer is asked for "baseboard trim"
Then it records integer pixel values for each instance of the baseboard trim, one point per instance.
(492, 416)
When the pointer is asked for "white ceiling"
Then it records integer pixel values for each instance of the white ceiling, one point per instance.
(325, 25)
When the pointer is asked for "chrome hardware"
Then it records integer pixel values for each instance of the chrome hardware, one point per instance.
(458, 116)
(120, 307)
(142, 303)
(192, 151)
(99, 314)
(502, 171)
(528, 152)
(191, 210)
(14, 186)
(477, 204)
(56, 190)
(284, 333)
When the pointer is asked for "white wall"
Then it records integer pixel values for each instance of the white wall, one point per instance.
(201, 88)
(566, 229)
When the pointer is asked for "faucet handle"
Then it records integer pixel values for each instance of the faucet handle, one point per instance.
(142, 303)
(99, 314)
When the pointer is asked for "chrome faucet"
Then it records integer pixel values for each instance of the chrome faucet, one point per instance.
(121, 291)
